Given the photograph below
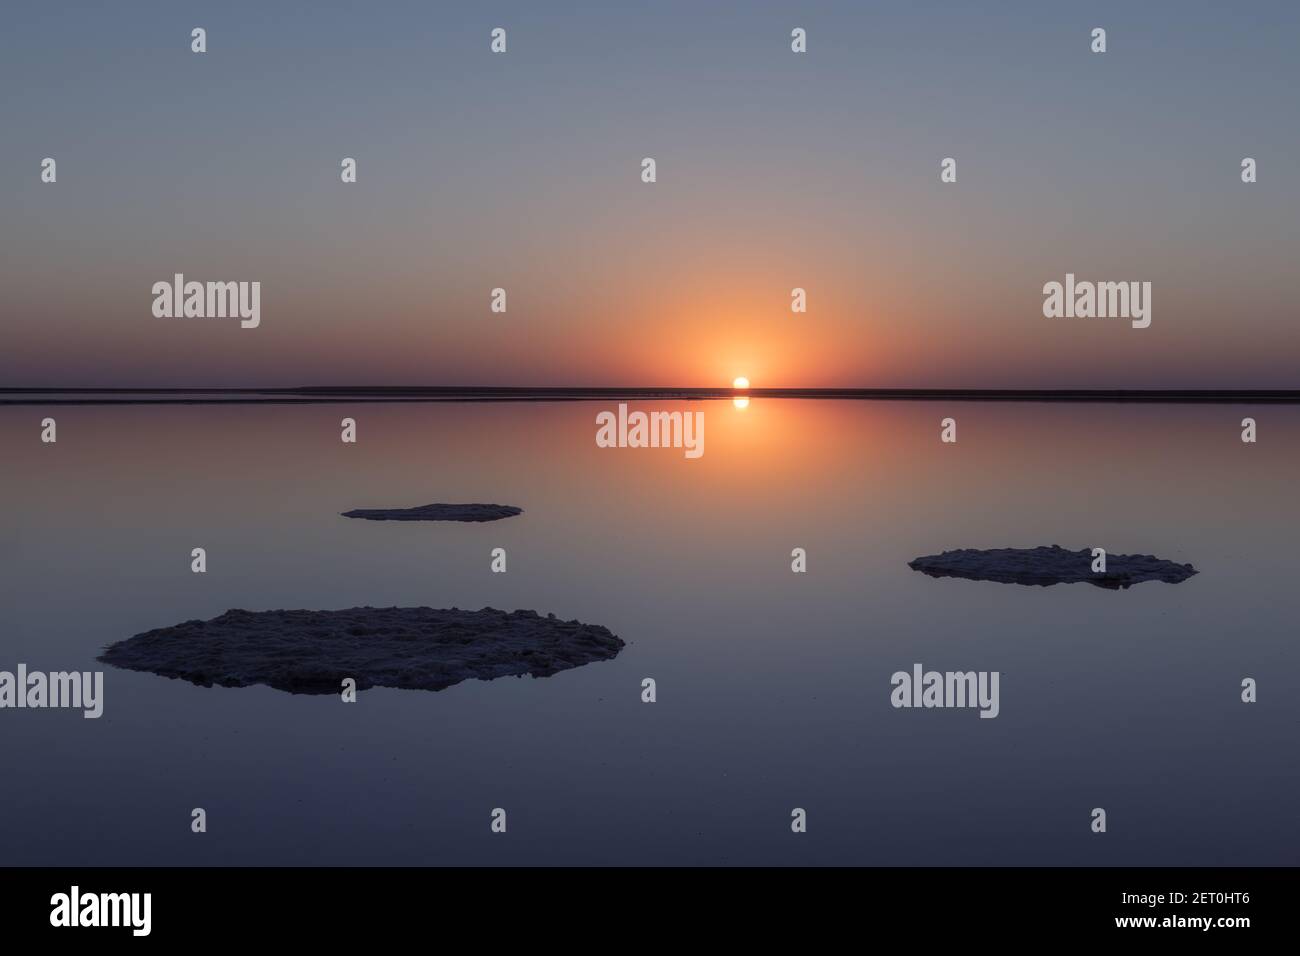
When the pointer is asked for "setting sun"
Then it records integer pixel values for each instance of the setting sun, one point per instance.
(740, 382)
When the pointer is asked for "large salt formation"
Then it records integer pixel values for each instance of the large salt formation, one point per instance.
(1055, 565)
(312, 652)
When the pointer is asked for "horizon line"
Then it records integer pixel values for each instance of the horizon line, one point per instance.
(333, 394)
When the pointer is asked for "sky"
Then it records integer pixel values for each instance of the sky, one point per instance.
(775, 170)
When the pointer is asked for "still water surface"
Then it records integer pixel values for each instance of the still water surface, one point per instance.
(773, 687)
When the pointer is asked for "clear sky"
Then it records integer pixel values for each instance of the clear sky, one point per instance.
(775, 170)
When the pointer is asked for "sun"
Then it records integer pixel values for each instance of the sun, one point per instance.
(741, 384)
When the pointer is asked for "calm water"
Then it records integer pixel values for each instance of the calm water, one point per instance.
(773, 687)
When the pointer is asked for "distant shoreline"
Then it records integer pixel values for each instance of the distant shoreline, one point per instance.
(326, 394)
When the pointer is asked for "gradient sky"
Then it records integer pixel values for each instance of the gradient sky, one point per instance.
(775, 170)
